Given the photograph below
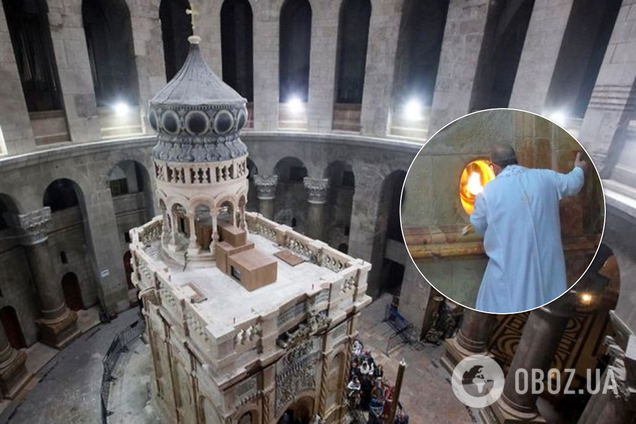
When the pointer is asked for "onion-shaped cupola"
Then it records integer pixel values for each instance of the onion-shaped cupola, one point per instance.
(197, 116)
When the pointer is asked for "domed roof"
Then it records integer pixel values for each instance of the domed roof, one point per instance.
(197, 116)
(195, 84)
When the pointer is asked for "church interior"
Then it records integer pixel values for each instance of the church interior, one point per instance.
(200, 208)
(435, 212)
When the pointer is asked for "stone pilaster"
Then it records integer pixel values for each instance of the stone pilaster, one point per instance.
(461, 47)
(612, 104)
(74, 69)
(317, 193)
(322, 68)
(13, 373)
(208, 27)
(149, 59)
(619, 407)
(541, 48)
(266, 23)
(58, 324)
(380, 67)
(472, 338)
(15, 126)
(266, 193)
(538, 345)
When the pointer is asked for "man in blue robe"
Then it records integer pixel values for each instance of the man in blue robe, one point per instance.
(518, 215)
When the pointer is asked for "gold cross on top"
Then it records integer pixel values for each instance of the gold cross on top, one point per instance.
(193, 14)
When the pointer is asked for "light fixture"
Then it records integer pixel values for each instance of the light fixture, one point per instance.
(295, 105)
(121, 108)
(557, 117)
(413, 110)
(586, 298)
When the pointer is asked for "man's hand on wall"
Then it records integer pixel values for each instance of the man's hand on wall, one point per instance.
(580, 163)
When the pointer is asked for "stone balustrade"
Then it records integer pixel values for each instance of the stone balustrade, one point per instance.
(221, 345)
(196, 174)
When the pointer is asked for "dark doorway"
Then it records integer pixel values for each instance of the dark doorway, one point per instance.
(392, 275)
(128, 269)
(299, 412)
(72, 292)
(12, 327)
(237, 46)
(33, 48)
(295, 45)
(175, 30)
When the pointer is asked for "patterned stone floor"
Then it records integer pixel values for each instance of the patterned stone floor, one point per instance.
(426, 393)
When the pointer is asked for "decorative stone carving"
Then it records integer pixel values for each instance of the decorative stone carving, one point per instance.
(316, 323)
(317, 189)
(295, 373)
(623, 367)
(266, 186)
(197, 116)
(35, 223)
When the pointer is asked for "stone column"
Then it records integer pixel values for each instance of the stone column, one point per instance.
(13, 373)
(612, 104)
(322, 68)
(266, 22)
(74, 69)
(541, 49)
(380, 67)
(537, 347)
(317, 190)
(15, 126)
(461, 47)
(149, 59)
(58, 324)
(266, 193)
(193, 246)
(472, 339)
(619, 407)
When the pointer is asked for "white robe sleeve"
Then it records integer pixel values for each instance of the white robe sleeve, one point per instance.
(571, 183)
(478, 219)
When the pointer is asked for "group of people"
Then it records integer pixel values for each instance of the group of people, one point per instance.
(368, 391)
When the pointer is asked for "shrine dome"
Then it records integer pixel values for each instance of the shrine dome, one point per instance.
(197, 116)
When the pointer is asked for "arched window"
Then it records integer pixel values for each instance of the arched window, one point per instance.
(33, 49)
(176, 27)
(295, 45)
(353, 34)
(237, 46)
(110, 49)
(499, 59)
(63, 257)
(61, 194)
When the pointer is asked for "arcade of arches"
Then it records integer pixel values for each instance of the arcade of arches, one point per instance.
(341, 95)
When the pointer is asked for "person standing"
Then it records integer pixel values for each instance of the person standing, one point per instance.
(518, 215)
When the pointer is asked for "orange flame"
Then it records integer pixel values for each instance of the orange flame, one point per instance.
(472, 182)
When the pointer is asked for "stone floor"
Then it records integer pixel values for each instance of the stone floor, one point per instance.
(67, 388)
(426, 394)
(129, 401)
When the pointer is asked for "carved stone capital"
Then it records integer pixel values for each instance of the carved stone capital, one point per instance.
(266, 186)
(317, 190)
(35, 224)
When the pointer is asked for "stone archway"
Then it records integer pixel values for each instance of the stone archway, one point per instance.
(301, 411)
(72, 291)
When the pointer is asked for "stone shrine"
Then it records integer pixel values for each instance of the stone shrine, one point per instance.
(246, 319)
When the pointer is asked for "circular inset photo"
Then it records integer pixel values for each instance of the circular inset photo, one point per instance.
(502, 211)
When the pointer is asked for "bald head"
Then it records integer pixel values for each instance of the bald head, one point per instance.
(503, 155)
